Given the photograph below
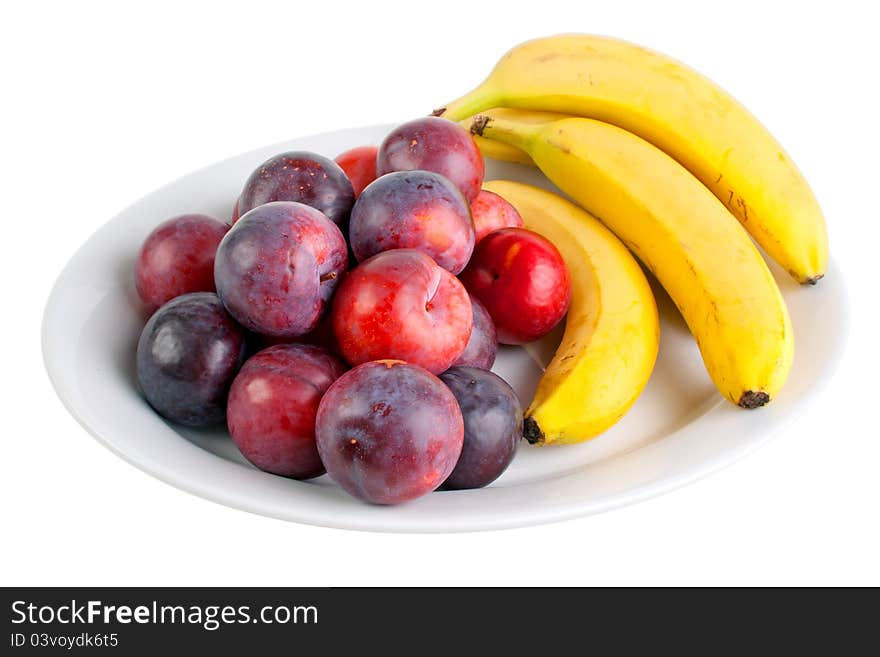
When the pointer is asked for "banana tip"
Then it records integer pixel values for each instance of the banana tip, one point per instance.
(532, 432)
(814, 279)
(753, 399)
(439, 111)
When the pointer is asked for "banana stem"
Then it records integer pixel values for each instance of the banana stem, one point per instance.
(475, 101)
(505, 131)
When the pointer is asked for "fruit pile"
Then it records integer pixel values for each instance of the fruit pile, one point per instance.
(347, 321)
(367, 262)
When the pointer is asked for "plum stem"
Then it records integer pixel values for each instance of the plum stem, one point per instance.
(433, 288)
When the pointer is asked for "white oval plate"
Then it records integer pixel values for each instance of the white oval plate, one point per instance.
(679, 430)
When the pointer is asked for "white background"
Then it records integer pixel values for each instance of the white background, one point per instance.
(103, 102)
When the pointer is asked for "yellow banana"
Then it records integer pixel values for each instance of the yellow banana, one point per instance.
(504, 152)
(683, 234)
(679, 111)
(611, 331)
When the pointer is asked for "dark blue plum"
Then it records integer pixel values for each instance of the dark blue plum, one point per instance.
(187, 356)
(304, 177)
(413, 210)
(278, 266)
(388, 431)
(492, 425)
(482, 346)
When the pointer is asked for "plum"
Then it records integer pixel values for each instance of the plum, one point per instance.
(523, 282)
(482, 345)
(272, 406)
(188, 353)
(434, 144)
(278, 266)
(400, 304)
(359, 165)
(389, 432)
(177, 258)
(413, 210)
(490, 212)
(301, 176)
(493, 423)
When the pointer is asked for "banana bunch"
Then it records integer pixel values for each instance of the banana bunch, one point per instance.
(680, 112)
(682, 174)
